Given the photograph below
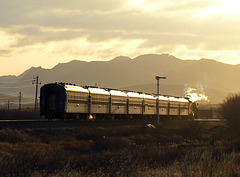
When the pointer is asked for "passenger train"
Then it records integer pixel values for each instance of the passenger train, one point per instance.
(68, 101)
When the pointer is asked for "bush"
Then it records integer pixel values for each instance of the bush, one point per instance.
(230, 110)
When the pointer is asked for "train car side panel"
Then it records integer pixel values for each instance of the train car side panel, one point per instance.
(77, 102)
(119, 104)
(149, 106)
(184, 109)
(99, 104)
(174, 108)
(163, 107)
(135, 105)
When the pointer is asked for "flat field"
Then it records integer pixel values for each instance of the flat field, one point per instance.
(118, 148)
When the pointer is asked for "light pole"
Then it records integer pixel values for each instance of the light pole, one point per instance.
(157, 78)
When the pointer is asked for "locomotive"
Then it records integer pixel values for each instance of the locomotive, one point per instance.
(68, 101)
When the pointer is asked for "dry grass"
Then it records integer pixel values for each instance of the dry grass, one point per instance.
(120, 151)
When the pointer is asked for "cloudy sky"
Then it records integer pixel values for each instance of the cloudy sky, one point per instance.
(47, 32)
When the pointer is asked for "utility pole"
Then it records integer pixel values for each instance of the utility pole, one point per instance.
(157, 78)
(8, 102)
(20, 100)
(8, 105)
(36, 81)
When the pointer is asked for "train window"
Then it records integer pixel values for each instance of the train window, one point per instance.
(77, 97)
(99, 99)
(78, 101)
(118, 99)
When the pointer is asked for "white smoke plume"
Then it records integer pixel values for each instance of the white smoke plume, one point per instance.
(196, 95)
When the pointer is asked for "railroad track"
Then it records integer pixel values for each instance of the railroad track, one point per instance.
(210, 120)
(58, 120)
(52, 124)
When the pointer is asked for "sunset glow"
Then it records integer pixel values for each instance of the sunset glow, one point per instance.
(59, 31)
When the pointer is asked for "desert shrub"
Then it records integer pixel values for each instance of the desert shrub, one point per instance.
(230, 110)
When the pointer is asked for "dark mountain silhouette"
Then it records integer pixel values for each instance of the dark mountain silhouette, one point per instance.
(139, 73)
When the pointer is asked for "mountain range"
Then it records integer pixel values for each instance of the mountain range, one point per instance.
(214, 78)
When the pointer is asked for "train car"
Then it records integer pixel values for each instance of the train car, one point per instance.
(61, 101)
(164, 106)
(184, 107)
(135, 103)
(178, 107)
(149, 105)
(99, 101)
(118, 102)
(53, 101)
(77, 101)
(174, 107)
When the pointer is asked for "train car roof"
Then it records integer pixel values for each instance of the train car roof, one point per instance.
(148, 96)
(134, 94)
(76, 88)
(163, 98)
(183, 100)
(98, 91)
(72, 87)
(117, 93)
(178, 99)
(173, 99)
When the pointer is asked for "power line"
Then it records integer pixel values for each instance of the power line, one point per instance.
(13, 84)
(16, 82)
(23, 81)
(15, 87)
